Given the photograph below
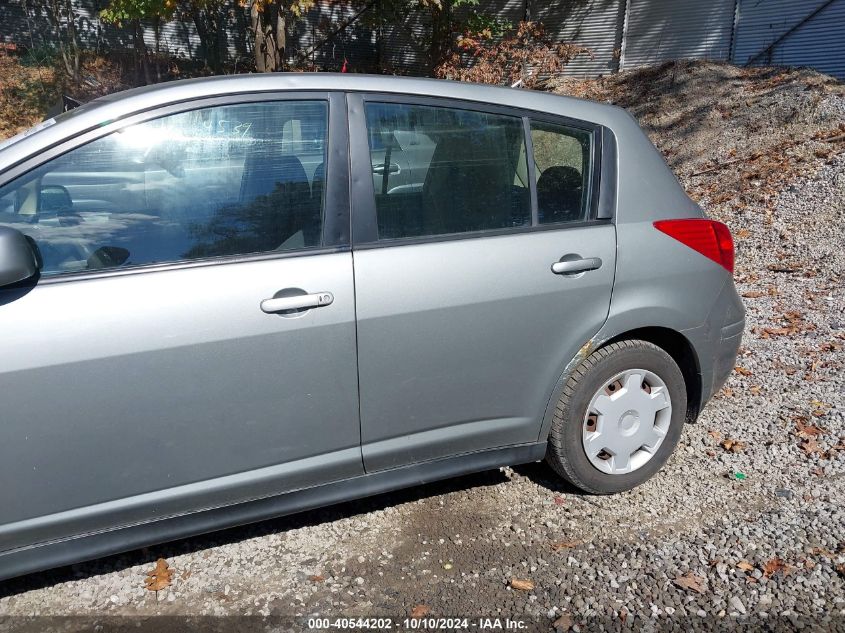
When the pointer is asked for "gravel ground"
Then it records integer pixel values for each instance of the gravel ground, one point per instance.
(696, 546)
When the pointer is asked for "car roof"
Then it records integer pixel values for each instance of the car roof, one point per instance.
(118, 105)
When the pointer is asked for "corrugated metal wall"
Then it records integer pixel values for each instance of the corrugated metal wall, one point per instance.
(355, 43)
(31, 27)
(595, 24)
(620, 33)
(818, 42)
(657, 31)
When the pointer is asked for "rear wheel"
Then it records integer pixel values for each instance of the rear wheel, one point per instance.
(619, 418)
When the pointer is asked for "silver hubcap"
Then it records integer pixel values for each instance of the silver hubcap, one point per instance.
(626, 421)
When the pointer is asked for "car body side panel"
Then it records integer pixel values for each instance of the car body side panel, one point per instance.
(164, 379)
(461, 341)
(91, 545)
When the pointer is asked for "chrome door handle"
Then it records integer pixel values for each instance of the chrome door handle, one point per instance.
(297, 302)
(576, 266)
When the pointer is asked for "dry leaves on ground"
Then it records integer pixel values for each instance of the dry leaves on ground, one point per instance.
(159, 577)
(420, 611)
(522, 584)
(563, 623)
(691, 582)
(559, 545)
(744, 565)
(732, 446)
(742, 371)
(776, 566)
(810, 446)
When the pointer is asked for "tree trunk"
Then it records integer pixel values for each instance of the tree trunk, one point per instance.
(157, 27)
(268, 41)
(143, 67)
(73, 42)
(258, 32)
(67, 37)
(209, 29)
(281, 39)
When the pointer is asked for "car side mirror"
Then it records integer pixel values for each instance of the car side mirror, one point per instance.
(17, 259)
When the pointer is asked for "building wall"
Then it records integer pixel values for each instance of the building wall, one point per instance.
(818, 40)
(660, 31)
(620, 34)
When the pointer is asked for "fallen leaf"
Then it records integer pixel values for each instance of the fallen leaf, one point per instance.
(559, 545)
(744, 565)
(778, 331)
(186, 574)
(821, 551)
(559, 501)
(806, 430)
(522, 585)
(755, 390)
(775, 566)
(159, 577)
(690, 582)
(810, 446)
(732, 445)
(715, 435)
(742, 233)
(753, 294)
(316, 578)
(563, 623)
(742, 371)
(420, 611)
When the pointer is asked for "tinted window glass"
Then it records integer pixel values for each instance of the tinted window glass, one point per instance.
(444, 170)
(227, 180)
(562, 159)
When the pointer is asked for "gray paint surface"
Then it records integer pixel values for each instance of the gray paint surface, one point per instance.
(165, 395)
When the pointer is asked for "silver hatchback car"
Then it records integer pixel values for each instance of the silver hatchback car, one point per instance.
(228, 299)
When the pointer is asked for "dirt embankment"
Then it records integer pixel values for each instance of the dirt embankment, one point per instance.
(734, 136)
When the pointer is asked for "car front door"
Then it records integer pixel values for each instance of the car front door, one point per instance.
(475, 288)
(190, 342)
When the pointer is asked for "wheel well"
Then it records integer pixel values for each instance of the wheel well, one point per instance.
(681, 351)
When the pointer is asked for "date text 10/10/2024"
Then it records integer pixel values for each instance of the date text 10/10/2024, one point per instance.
(417, 624)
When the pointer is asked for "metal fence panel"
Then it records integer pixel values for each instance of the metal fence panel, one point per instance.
(818, 40)
(658, 31)
(595, 24)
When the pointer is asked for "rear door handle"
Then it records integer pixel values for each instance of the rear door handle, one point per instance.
(297, 302)
(576, 266)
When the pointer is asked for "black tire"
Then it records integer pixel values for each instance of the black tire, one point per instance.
(565, 451)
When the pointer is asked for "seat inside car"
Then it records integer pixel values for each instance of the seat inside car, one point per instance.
(468, 170)
(559, 194)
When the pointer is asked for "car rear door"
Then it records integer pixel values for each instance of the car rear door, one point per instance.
(476, 288)
(187, 346)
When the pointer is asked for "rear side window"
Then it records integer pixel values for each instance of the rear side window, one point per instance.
(562, 158)
(219, 181)
(440, 170)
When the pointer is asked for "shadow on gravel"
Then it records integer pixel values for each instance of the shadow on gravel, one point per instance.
(148, 555)
(541, 474)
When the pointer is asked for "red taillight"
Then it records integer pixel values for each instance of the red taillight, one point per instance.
(710, 238)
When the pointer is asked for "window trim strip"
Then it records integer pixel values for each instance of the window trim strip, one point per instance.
(335, 226)
(363, 208)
